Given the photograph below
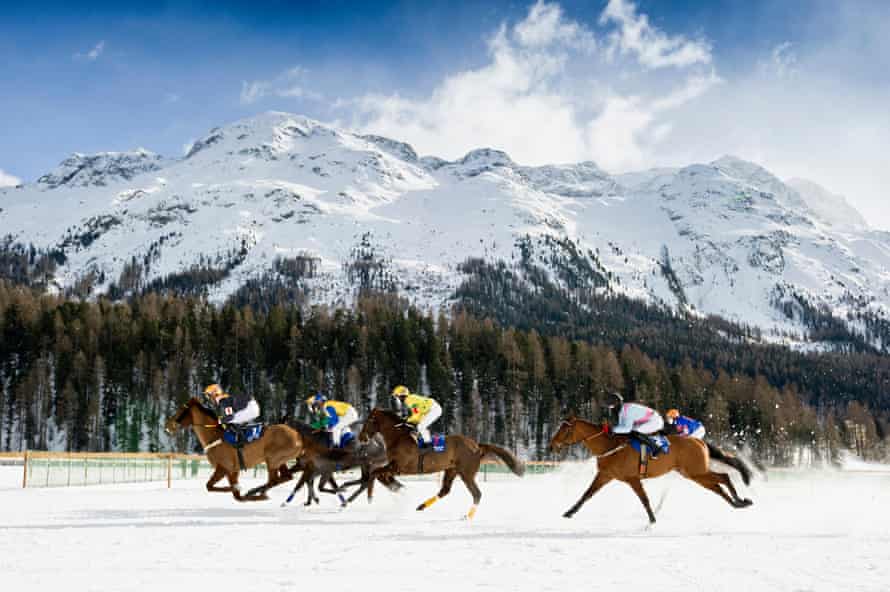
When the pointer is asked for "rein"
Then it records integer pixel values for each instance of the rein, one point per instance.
(606, 453)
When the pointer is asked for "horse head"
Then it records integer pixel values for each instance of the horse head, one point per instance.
(565, 435)
(184, 417)
(379, 421)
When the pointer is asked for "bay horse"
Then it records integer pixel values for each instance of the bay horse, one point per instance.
(618, 461)
(320, 460)
(278, 444)
(462, 457)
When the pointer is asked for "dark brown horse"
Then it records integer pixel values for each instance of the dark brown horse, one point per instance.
(319, 460)
(462, 457)
(278, 445)
(618, 461)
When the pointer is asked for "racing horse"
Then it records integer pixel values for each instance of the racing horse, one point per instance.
(618, 461)
(278, 444)
(320, 460)
(462, 457)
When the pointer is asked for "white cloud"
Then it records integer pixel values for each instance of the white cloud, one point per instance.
(285, 85)
(653, 48)
(545, 25)
(93, 54)
(782, 61)
(7, 180)
(541, 97)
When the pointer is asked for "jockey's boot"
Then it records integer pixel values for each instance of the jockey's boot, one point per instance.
(650, 442)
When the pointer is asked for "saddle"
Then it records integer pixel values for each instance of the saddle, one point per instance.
(241, 435)
(664, 447)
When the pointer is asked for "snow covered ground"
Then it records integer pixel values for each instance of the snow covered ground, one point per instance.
(807, 531)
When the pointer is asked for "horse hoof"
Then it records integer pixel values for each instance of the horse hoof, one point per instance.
(568, 515)
(421, 507)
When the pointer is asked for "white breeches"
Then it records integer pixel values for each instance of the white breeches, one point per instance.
(248, 414)
(423, 426)
(698, 433)
(343, 426)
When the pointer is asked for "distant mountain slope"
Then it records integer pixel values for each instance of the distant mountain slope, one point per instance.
(361, 211)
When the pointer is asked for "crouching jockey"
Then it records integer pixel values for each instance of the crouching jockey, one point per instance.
(635, 420)
(233, 411)
(422, 412)
(684, 426)
(336, 417)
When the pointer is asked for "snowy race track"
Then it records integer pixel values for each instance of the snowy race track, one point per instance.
(806, 531)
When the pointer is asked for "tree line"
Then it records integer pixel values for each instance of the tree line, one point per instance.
(103, 375)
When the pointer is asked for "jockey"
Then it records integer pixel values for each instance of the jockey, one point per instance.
(635, 420)
(336, 417)
(233, 411)
(684, 426)
(423, 412)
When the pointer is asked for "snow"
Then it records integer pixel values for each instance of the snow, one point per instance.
(278, 183)
(808, 530)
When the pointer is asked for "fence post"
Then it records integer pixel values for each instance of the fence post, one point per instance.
(169, 469)
(25, 472)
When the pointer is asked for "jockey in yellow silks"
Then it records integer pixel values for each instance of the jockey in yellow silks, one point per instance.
(423, 411)
(336, 417)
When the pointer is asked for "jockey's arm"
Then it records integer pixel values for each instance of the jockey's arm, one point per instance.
(226, 409)
(332, 417)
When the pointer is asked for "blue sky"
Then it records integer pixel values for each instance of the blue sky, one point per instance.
(800, 86)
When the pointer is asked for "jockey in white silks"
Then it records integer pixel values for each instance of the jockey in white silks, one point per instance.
(636, 420)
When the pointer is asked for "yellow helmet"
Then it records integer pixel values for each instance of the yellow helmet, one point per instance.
(214, 390)
(672, 414)
(400, 391)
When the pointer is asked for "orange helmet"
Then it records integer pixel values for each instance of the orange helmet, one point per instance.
(672, 414)
(213, 391)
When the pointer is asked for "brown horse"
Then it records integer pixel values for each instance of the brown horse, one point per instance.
(617, 460)
(462, 456)
(277, 445)
(320, 460)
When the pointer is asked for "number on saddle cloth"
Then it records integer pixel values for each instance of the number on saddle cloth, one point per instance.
(250, 432)
(437, 444)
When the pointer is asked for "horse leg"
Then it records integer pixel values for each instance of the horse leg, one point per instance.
(447, 478)
(725, 480)
(297, 487)
(218, 473)
(598, 482)
(712, 483)
(470, 482)
(334, 488)
(236, 490)
(637, 486)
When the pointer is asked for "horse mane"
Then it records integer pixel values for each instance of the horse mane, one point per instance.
(387, 413)
(187, 406)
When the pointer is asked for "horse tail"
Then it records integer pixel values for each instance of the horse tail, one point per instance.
(514, 464)
(734, 462)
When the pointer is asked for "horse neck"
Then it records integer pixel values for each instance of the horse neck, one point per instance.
(589, 434)
(205, 434)
(391, 434)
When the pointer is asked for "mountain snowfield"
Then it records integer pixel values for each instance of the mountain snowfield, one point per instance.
(725, 238)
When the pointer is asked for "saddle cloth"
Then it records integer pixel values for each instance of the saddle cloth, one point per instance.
(663, 443)
(251, 432)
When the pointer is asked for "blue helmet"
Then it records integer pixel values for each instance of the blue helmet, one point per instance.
(316, 400)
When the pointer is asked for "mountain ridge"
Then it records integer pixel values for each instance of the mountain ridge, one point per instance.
(726, 237)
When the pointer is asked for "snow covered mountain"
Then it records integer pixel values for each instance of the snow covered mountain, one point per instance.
(725, 238)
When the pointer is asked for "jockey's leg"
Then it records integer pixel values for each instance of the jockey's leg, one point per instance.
(423, 427)
(698, 433)
(248, 414)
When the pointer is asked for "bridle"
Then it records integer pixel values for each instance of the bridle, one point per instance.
(603, 431)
